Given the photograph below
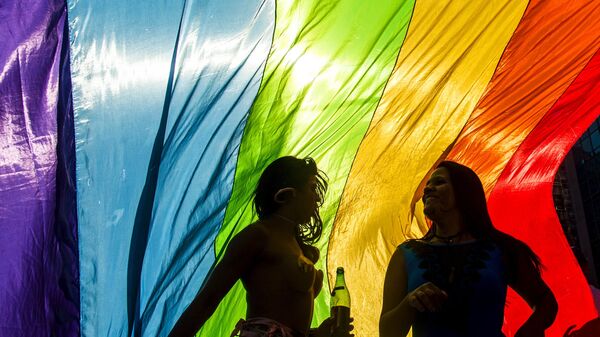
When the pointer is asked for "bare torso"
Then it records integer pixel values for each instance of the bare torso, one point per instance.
(278, 287)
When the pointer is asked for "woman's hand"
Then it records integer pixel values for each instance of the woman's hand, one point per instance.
(326, 329)
(427, 297)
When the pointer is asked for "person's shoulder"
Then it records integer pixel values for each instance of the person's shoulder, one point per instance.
(404, 250)
(511, 245)
(249, 241)
(411, 244)
(256, 232)
(409, 247)
(517, 255)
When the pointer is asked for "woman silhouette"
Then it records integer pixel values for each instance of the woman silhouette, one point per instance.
(453, 281)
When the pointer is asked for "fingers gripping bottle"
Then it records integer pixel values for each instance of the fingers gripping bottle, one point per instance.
(340, 305)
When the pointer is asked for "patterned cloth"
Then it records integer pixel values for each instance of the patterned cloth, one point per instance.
(473, 274)
(263, 327)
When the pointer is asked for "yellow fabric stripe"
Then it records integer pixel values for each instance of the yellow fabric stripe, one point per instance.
(450, 53)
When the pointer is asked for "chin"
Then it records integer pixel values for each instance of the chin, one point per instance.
(429, 213)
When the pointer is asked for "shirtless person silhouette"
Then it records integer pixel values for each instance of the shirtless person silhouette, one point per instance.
(273, 257)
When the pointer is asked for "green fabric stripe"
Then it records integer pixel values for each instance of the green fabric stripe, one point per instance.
(326, 72)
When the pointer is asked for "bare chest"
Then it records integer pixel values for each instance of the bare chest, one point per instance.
(286, 268)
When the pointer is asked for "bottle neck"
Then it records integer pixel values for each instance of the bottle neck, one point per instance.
(339, 280)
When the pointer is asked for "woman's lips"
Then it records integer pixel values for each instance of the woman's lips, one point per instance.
(429, 196)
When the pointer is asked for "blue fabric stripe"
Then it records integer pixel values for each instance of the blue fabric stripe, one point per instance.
(223, 53)
(121, 53)
(141, 226)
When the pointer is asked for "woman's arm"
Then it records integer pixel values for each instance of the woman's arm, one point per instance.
(239, 257)
(400, 307)
(396, 315)
(529, 284)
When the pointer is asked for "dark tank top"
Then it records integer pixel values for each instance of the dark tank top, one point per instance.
(474, 276)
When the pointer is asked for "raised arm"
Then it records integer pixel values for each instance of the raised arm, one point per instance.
(529, 284)
(239, 257)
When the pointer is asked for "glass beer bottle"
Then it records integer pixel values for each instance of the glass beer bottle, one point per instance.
(340, 305)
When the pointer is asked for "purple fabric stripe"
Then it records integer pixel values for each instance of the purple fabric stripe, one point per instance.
(39, 294)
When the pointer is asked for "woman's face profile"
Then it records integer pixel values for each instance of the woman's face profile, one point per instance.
(438, 196)
(307, 198)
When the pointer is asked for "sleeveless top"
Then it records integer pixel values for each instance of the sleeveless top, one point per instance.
(473, 275)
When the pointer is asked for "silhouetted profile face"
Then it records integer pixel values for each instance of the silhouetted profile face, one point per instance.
(306, 200)
(298, 184)
(438, 196)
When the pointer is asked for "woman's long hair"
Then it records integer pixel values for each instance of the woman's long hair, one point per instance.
(471, 203)
(293, 172)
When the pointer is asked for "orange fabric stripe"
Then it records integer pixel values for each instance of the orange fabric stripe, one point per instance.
(551, 45)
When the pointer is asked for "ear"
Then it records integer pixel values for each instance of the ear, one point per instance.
(284, 195)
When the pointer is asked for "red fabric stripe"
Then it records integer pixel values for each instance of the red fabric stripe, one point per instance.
(521, 203)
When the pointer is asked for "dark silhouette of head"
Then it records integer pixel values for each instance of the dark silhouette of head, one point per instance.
(470, 199)
(291, 172)
(471, 202)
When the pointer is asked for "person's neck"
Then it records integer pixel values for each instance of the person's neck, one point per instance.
(285, 222)
(442, 232)
(449, 227)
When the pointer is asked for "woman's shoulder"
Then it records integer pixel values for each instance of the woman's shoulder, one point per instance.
(422, 246)
(414, 246)
(410, 243)
(511, 245)
(255, 231)
(517, 254)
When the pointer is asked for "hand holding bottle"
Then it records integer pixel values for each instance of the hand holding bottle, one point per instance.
(340, 306)
(326, 330)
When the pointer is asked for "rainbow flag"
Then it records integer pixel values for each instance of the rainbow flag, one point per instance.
(134, 133)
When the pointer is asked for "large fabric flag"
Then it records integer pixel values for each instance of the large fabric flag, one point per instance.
(133, 134)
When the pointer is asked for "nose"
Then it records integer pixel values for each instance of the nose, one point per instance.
(428, 189)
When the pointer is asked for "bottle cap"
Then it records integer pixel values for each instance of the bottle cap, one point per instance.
(340, 270)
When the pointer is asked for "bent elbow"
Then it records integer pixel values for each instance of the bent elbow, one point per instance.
(547, 308)
(553, 307)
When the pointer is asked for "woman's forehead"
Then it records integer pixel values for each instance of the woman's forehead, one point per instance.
(440, 172)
